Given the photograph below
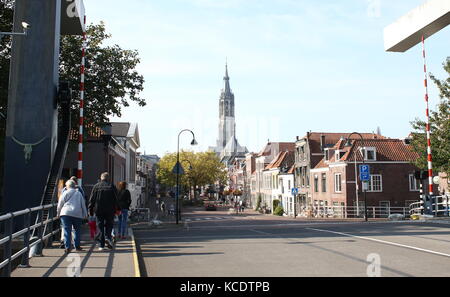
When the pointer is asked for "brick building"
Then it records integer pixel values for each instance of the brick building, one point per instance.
(392, 181)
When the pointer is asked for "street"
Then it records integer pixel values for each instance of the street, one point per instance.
(216, 244)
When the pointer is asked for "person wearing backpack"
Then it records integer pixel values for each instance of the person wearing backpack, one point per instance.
(103, 203)
(72, 210)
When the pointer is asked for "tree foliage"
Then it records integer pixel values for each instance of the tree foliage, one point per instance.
(440, 129)
(201, 169)
(111, 80)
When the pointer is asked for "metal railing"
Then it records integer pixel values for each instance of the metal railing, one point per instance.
(24, 235)
(348, 212)
(438, 206)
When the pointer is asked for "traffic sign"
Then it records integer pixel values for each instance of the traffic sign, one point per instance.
(178, 168)
(364, 172)
(294, 191)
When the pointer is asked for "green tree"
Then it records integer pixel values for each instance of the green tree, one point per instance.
(111, 80)
(206, 169)
(440, 129)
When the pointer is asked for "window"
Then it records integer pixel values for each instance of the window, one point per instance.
(375, 184)
(338, 183)
(414, 184)
(316, 183)
(327, 155)
(370, 154)
(307, 176)
(289, 185)
(324, 182)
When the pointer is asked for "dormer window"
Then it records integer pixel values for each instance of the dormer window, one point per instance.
(327, 155)
(370, 154)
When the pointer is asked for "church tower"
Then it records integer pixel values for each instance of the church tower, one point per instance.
(227, 146)
(227, 126)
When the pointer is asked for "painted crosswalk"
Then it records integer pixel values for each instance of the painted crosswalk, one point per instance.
(208, 219)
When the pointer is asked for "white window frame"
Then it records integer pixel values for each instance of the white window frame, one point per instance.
(372, 149)
(370, 189)
(416, 188)
(338, 185)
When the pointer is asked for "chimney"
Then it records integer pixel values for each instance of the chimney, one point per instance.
(322, 142)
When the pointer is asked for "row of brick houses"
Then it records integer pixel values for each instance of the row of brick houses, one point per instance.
(114, 149)
(318, 173)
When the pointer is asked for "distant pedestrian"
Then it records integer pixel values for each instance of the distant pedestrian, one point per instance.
(242, 205)
(124, 200)
(163, 208)
(72, 210)
(103, 203)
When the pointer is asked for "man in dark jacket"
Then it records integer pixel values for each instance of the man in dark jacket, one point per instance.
(103, 203)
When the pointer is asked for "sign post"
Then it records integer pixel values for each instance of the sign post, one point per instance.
(364, 177)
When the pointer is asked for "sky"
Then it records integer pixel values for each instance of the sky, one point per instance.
(294, 65)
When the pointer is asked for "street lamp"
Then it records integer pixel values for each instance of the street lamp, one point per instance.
(25, 27)
(348, 144)
(178, 167)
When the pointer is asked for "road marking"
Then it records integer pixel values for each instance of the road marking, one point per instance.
(261, 232)
(384, 242)
(137, 271)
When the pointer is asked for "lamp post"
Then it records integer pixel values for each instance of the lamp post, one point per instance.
(178, 167)
(356, 177)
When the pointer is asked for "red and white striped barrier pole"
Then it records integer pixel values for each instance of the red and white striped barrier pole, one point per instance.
(428, 128)
(80, 134)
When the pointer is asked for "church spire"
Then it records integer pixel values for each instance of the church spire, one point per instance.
(227, 80)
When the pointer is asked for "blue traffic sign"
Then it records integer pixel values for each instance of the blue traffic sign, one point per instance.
(364, 172)
(294, 191)
(364, 168)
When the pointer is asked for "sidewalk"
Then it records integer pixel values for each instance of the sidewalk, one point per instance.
(120, 262)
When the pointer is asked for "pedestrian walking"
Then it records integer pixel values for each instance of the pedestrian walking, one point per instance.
(103, 203)
(163, 208)
(242, 205)
(80, 189)
(72, 210)
(124, 200)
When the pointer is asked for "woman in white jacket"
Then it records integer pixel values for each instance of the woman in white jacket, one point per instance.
(72, 211)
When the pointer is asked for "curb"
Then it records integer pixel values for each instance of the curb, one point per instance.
(137, 271)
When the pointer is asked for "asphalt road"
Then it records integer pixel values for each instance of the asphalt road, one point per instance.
(216, 244)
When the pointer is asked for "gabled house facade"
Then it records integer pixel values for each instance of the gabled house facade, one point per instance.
(264, 179)
(309, 151)
(335, 179)
(275, 177)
